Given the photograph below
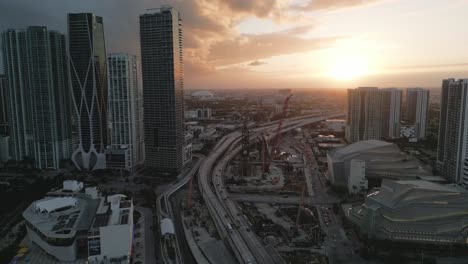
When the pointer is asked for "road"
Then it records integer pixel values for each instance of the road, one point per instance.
(231, 224)
(164, 210)
(338, 247)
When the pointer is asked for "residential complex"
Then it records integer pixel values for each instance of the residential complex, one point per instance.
(414, 211)
(417, 108)
(373, 113)
(78, 223)
(37, 95)
(162, 71)
(452, 156)
(88, 78)
(125, 112)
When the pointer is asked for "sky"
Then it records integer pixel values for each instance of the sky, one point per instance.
(286, 43)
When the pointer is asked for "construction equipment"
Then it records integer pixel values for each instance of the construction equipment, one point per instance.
(276, 140)
(245, 164)
(301, 206)
(265, 155)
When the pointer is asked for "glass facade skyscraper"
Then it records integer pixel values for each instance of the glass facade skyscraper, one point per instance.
(452, 152)
(162, 70)
(3, 106)
(125, 109)
(88, 79)
(37, 95)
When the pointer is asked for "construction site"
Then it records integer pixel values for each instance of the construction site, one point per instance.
(270, 181)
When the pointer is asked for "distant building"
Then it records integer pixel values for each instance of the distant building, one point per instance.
(336, 125)
(3, 106)
(162, 70)
(373, 113)
(391, 112)
(202, 95)
(414, 211)
(409, 132)
(417, 108)
(452, 152)
(72, 220)
(88, 78)
(125, 111)
(381, 160)
(201, 114)
(37, 95)
(364, 119)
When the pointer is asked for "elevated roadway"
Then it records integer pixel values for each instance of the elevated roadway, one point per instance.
(230, 222)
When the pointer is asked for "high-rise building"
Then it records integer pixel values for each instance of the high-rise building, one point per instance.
(3, 106)
(417, 107)
(88, 79)
(125, 111)
(452, 153)
(162, 71)
(364, 120)
(391, 112)
(373, 113)
(37, 95)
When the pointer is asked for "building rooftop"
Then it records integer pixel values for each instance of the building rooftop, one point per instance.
(382, 158)
(61, 217)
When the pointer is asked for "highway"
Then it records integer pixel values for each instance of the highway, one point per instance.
(164, 210)
(230, 222)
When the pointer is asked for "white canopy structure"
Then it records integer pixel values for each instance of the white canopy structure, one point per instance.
(54, 204)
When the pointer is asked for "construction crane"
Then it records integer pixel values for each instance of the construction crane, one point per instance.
(301, 206)
(265, 155)
(245, 164)
(276, 140)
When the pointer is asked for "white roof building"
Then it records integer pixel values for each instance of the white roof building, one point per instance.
(65, 223)
(382, 160)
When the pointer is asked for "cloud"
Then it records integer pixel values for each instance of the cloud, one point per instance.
(249, 47)
(210, 35)
(256, 63)
(314, 5)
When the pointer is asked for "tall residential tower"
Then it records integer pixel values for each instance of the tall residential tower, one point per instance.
(125, 113)
(364, 120)
(373, 113)
(37, 95)
(417, 107)
(452, 153)
(88, 79)
(162, 70)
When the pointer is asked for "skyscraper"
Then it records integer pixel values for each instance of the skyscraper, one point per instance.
(391, 112)
(162, 70)
(373, 113)
(125, 109)
(88, 79)
(3, 106)
(452, 153)
(364, 119)
(37, 95)
(417, 107)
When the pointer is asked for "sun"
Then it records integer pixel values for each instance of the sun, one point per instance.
(345, 68)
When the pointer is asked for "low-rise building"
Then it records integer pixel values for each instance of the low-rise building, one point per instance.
(414, 211)
(68, 222)
(357, 181)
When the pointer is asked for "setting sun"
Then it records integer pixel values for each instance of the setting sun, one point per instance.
(348, 67)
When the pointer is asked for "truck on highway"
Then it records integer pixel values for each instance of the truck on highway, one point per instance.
(229, 227)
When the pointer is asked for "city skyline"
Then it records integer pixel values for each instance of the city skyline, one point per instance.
(231, 44)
